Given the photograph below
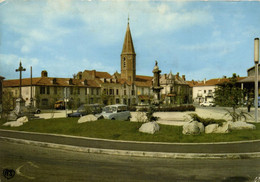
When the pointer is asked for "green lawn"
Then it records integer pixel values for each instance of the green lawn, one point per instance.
(123, 130)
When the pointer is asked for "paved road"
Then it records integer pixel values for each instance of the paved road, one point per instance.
(34, 163)
(246, 147)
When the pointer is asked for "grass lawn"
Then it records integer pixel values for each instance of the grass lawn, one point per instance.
(123, 130)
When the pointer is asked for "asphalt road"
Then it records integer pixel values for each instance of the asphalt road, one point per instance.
(246, 147)
(33, 163)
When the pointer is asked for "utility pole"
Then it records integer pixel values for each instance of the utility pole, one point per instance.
(256, 59)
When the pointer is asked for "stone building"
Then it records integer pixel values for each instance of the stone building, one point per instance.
(47, 90)
(175, 89)
(125, 87)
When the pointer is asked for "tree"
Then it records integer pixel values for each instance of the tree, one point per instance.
(229, 94)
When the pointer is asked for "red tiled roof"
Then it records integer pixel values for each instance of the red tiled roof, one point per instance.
(98, 74)
(48, 81)
(143, 78)
(215, 81)
(143, 84)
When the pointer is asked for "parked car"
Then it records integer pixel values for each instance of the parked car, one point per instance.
(207, 104)
(59, 105)
(86, 109)
(116, 112)
(28, 109)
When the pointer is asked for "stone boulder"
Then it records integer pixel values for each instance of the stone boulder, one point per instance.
(13, 124)
(240, 125)
(19, 122)
(87, 118)
(150, 127)
(212, 128)
(215, 128)
(193, 128)
(23, 119)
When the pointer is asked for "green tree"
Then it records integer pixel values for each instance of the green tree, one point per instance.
(229, 94)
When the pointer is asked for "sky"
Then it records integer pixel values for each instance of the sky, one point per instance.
(198, 39)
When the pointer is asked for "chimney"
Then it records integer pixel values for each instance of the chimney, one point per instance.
(178, 74)
(93, 74)
(204, 81)
(183, 77)
(44, 73)
(54, 81)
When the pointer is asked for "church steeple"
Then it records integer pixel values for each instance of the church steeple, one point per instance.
(128, 63)
(128, 46)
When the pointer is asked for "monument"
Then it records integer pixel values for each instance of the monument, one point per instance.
(156, 84)
(17, 112)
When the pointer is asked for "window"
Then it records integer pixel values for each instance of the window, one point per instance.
(86, 91)
(97, 91)
(133, 92)
(79, 91)
(71, 90)
(111, 91)
(48, 90)
(117, 101)
(124, 62)
(42, 90)
(142, 92)
(91, 100)
(205, 91)
(55, 90)
(92, 91)
(124, 92)
(117, 92)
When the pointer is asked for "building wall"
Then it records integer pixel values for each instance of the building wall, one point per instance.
(203, 93)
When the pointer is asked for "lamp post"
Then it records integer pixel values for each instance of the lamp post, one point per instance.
(256, 59)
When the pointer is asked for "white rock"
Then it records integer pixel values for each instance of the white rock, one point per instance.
(87, 118)
(192, 128)
(201, 126)
(240, 125)
(212, 128)
(150, 127)
(23, 119)
(225, 128)
(13, 124)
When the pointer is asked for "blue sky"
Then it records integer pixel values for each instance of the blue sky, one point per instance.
(195, 38)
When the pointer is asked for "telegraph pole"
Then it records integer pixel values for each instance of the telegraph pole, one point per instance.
(256, 59)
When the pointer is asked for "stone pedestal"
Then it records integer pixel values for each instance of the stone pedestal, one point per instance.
(17, 112)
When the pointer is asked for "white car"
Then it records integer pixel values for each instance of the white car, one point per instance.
(209, 104)
(116, 112)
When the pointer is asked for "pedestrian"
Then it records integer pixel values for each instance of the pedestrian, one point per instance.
(248, 105)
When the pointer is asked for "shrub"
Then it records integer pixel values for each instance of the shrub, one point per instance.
(171, 109)
(149, 114)
(207, 121)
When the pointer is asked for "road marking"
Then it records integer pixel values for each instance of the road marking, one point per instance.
(23, 175)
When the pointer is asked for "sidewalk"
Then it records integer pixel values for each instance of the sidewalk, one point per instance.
(232, 150)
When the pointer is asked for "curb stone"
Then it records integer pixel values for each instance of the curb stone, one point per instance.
(129, 141)
(136, 153)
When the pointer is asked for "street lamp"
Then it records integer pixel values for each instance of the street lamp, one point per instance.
(256, 59)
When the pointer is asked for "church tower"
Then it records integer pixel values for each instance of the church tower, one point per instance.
(128, 62)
